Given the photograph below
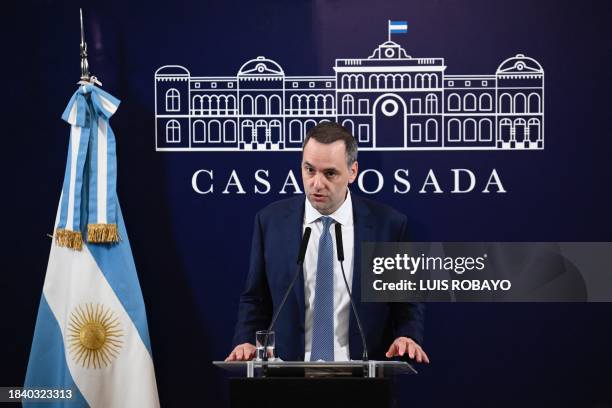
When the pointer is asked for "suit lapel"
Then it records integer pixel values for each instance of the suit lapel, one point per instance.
(292, 231)
(364, 232)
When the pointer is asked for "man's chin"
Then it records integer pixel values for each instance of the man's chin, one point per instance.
(321, 206)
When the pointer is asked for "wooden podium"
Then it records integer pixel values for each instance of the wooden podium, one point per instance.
(272, 384)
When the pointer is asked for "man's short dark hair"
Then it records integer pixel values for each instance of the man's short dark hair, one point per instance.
(329, 132)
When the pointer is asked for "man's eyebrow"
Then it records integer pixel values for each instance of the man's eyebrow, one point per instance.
(328, 169)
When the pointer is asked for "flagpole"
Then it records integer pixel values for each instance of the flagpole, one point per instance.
(85, 76)
(388, 30)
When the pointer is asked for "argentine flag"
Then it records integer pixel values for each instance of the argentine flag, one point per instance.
(91, 334)
(398, 27)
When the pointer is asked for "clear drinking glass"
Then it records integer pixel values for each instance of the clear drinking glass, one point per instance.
(264, 340)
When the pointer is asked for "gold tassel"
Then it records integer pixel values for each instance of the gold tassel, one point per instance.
(102, 233)
(69, 239)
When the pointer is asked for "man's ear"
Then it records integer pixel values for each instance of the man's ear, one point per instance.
(353, 171)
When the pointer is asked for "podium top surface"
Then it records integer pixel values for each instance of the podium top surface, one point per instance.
(376, 368)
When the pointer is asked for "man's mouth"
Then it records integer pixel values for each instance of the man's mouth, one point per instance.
(318, 197)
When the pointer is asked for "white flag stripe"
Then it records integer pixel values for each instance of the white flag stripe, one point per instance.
(75, 136)
(108, 105)
(398, 26)
(102, 165)
(73, 279)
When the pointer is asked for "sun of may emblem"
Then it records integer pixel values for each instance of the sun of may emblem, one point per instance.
(94, 335)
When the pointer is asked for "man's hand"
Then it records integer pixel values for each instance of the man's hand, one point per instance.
(403, 345)
(242, 352)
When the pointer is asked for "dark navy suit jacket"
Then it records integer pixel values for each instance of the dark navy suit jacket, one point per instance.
(275, 245)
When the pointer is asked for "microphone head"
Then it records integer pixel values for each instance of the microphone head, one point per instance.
(304, 245)
(339, 246)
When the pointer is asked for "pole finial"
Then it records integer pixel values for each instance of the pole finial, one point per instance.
(85, 77)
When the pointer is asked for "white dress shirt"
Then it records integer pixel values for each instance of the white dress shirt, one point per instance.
(344, 216)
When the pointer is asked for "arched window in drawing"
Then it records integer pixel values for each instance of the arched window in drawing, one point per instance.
(173, 131)
(329, 104)
(397, 81)
(485, 102)
(418, 81)
(312, 104)
(347, 104)
(505, 103)
(199, 131)
(304, 104)
(223, 105)
(261, 105)
(206, 105)
(248, 129)
(485, 128)
(454, 102)
(229, 131)
(275, 105)
(375, 81)
(214, 131)
(346, 80)
(454, 130)
(431, 130)
(347, 123)
(469, 130)
(433, 81)
(275, 131)
(294, 104)
(295, 131)
(231, 104)
(320, 104)
(534, 103)
(535, 133)
(196, 105)
(214, 105)
(505, 130)
(173, 100)
(431, 104)
(246, 105)
(469, 102)
(360, 81)
(519, 103)
(520, 126)
(406, 81)
(309, 124)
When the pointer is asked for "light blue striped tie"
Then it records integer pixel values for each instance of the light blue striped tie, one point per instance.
(323, 308)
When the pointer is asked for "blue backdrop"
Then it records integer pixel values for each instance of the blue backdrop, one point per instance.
(191, 250)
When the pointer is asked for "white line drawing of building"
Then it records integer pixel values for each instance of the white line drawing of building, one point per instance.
(389, 101)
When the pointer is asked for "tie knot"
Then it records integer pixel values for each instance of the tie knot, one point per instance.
(326, 221)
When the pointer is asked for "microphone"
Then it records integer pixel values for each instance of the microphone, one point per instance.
(300, 261)
(340, 252)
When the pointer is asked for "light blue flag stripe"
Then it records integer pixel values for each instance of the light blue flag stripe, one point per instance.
(66, 189)
(111, 176)
(92, 211)
(47, 367)
(117, 264)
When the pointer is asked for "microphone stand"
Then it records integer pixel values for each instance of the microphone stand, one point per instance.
(300, 262)
(340, 252)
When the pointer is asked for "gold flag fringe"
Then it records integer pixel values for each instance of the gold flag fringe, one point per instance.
(102, 233)
(69, 239)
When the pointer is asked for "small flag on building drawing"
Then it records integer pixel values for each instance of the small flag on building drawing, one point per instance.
(91, 334)
(398, 27)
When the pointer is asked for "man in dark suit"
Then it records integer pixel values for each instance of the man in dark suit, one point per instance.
(316, 322)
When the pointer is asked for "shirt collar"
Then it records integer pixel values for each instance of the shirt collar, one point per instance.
(343, 215)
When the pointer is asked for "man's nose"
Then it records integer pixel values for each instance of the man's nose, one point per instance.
(317, 182)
